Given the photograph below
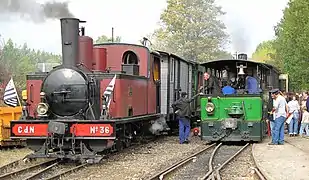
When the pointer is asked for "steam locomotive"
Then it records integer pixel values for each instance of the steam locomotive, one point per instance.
(100, 98)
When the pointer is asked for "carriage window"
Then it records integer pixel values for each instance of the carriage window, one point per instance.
(129, 57)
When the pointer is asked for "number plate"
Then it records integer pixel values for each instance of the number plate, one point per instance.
(92, 129)
(29, 130)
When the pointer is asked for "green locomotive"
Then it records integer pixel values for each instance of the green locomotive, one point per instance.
(240, 116)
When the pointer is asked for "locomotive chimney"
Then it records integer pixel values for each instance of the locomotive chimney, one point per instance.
(69, 40)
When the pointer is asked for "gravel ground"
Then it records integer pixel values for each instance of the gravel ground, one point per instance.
(223, 154)
(140, 162)
(239, 168)
(10, 155)
(193, 170)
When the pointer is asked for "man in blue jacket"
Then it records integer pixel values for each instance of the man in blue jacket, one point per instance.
(252, 85)
(228, 89)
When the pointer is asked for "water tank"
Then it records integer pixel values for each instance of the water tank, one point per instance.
(85, 51)
(99, 59)
(242, 56)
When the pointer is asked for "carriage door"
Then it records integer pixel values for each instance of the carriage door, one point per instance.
(156, 78)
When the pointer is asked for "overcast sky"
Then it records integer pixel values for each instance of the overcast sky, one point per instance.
(248, 21)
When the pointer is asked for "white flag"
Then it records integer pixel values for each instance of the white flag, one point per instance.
(109, 91)
(10, 94)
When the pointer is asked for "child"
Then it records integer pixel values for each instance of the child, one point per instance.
(304, 122)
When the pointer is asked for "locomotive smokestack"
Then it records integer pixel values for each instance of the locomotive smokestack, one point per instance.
(69, 40)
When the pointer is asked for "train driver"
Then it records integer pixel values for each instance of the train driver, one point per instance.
(211, 84)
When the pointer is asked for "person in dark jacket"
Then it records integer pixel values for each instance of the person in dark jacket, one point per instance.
(183, 112)
(212, 85)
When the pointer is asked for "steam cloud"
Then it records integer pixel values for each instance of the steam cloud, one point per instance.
(158, 126)
(239, 37)
(30, 9)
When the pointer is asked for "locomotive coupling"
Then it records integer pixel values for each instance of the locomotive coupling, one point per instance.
(56, 127)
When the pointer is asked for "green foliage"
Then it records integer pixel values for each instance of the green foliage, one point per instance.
(105, 39)
(292, 45)
(266, 52)
(191, 29)
(18, 61)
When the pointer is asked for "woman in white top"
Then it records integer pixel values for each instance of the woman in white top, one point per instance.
(294, 108)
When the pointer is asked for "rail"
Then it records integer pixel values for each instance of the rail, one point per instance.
(22, 170)
(46, 169)
(178, 164)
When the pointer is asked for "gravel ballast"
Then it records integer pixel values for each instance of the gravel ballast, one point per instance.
(240, 167)
(10, 155)
(140, 162)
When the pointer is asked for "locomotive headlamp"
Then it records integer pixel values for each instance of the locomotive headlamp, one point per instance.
(42, 109)
(210, 107)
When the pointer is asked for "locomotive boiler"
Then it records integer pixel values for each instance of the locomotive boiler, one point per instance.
(100, 98)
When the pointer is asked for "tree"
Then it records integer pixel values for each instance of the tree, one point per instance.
(223, 55)
(18, 61)
(191, 29)
(292, 43)
(266, 52)
(105, 39)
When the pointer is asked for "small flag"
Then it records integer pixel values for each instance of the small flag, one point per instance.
(109, 90)
(10, 96)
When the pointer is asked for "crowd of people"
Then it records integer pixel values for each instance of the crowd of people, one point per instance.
(288, 110)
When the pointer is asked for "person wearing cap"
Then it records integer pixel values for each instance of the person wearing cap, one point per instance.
(280, 109)
(212, 85)
(183, 112)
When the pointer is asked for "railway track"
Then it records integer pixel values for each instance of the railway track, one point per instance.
(204, 165)
(38, 169)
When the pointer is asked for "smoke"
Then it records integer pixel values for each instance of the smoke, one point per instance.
(240, 40)
(34, 11)
(158, 126)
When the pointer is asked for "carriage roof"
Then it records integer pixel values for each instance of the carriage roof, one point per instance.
(221, 63)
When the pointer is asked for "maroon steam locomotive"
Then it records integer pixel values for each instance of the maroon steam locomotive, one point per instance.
(99, 98)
